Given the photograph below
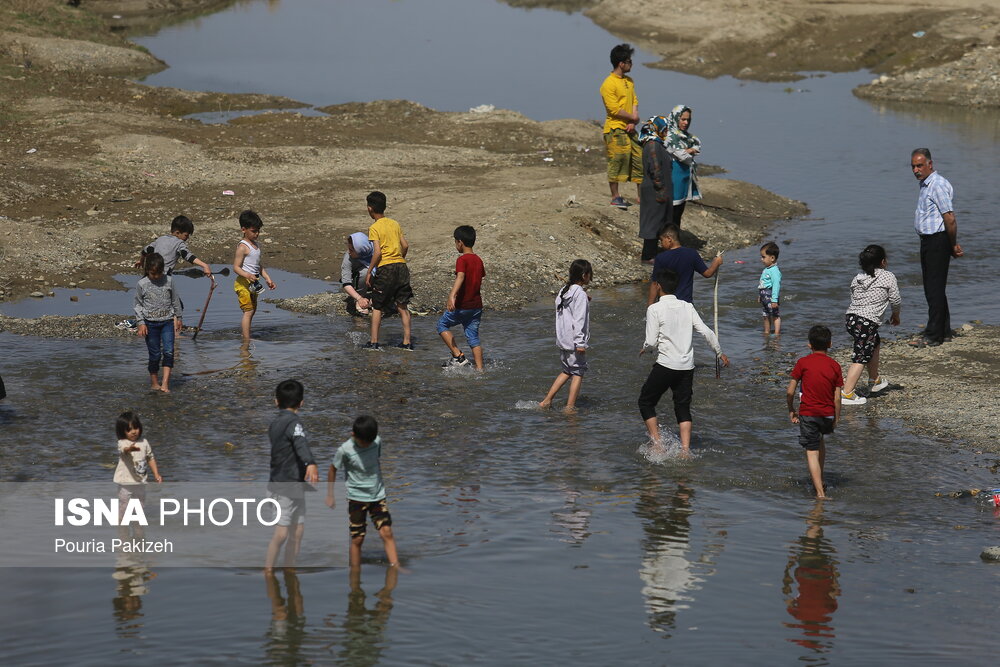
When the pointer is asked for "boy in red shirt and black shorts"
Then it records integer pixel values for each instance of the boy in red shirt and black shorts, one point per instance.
(819, 407)
(465, 304)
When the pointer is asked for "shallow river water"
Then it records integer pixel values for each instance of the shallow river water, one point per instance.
(528, 536)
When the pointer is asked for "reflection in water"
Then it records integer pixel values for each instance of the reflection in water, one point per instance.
(131, 574)
(574, 517)
(813, 570)
(365, 628)
(669, 576)
(288, 620)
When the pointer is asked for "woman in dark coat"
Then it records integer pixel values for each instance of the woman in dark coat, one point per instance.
(656, 190)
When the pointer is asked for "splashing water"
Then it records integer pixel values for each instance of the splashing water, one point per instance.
(667, 449)
(526, 405)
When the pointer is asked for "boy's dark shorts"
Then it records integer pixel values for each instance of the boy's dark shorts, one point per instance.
(764, 296)
(359, 512)
(812, 429)
(391, 286)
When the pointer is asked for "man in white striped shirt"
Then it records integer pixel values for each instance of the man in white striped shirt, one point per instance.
(935, 222)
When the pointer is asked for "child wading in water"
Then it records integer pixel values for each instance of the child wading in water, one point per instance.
(572, 333)
(158, 310)
(670, 323)
(872, 291)
(135, 460)
(249, 269)
(465, 303)
(360, 459)
(819, 407)
(769, 287)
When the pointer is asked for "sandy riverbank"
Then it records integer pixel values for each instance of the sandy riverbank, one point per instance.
(112, 164)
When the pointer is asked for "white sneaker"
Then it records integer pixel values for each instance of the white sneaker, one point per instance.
(852, 399)
(879, 384)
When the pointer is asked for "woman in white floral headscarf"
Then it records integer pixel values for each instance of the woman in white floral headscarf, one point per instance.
(683, 147)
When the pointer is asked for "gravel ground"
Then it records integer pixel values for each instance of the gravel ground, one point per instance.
(971, 81)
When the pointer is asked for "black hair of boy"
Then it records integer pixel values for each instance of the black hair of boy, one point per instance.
(376, 201)
(871, 258)
(250, 220)
(771, 249)
(365, 428)
(466, 234)
(181, 224)
(289, 394)
(620, 54)
(154, 263)
(667, 280)
(126, 422)
(671, 230)
(820, 337)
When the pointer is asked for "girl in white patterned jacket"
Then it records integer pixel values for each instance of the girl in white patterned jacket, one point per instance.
(872, 291)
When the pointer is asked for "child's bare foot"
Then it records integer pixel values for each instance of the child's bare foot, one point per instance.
(154, 387)
(544, 405)
(164, 389)
(570, 410)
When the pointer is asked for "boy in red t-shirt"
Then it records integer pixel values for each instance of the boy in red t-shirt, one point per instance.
(465, 304)
(819, 407)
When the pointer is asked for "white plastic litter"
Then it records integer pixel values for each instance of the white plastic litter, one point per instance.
(31, 150)
(483, 108)
(228, 193)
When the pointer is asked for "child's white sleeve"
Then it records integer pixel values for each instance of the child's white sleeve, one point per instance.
(703, 329)
(652, 328)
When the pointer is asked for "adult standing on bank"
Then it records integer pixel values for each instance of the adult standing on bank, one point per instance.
(683, 147)
(656, 192)
(935, 223)
(621, 108)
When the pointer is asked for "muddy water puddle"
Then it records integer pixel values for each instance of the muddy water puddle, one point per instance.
(506, 516)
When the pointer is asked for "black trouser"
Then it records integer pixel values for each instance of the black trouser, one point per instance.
(650, 248)
(678, 212)
(660, 379)
(935, 257)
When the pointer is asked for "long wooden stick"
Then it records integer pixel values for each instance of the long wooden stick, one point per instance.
(718, 368)
(201, 320)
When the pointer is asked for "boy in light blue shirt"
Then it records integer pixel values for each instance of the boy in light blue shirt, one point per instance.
(769, 287)
(359, 458)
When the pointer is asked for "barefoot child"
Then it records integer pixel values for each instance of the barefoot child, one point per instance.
(465, 303)
(819, 407)
(390, 284)
(769, 287)
(872, 291)
(249, 269)
(158, 311)
(135, 460)
(359, 457)
(669, 323)
(572, 333)
(292, 463)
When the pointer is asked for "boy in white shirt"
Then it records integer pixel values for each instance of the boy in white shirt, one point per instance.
(669, 323)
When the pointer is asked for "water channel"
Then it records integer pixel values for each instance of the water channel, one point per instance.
(531, 537)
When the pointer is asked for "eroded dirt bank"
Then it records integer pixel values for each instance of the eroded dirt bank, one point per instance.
(934, 51)
(111, 163)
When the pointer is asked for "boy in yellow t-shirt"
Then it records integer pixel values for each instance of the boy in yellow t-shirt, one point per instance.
(621, 107)
(390, 286)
